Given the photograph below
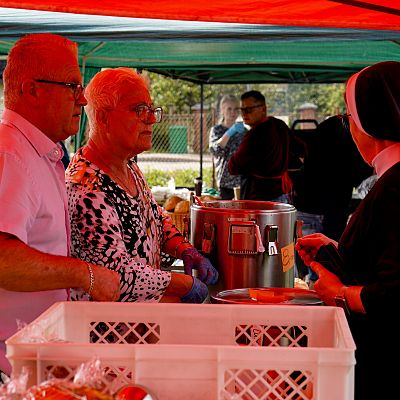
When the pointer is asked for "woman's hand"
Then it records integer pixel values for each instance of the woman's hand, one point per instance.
(308, 246)
(192, 259)
(235, 129)
(186, 289)
(328, 285)
(106, 284)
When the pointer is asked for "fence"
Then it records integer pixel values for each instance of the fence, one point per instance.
(180, 133)
(176, 146)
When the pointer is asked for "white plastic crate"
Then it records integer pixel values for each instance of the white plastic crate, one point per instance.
(207, 352)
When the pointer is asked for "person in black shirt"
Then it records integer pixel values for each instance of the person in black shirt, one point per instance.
(263, 155)
(65, 158)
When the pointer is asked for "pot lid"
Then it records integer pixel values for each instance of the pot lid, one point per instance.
(284, 296)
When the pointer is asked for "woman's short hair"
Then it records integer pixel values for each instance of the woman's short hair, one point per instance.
(104, 91)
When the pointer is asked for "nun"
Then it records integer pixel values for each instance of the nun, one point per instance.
(369, 249)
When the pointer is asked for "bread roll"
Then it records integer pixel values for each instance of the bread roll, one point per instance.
(171, 202)
(182, 207)
(64, 391)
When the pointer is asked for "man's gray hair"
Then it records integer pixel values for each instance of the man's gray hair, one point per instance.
(28, 58)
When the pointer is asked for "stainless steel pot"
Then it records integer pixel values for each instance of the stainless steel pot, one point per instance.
(251, 243)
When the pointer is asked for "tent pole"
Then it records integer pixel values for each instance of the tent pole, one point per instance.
(78, 136)
(201, 128)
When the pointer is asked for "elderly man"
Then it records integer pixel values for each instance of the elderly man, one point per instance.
(43, 102)
(263, 155)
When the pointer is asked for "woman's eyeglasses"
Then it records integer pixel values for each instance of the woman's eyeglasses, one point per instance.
(344, 118)
(145, 112)
(77, 88)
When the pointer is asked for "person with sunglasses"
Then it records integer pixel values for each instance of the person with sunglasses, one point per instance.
(368, 252)
(115, 219)
(263, 155)
(43, 96)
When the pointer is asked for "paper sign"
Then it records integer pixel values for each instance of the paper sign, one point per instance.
(287, 253)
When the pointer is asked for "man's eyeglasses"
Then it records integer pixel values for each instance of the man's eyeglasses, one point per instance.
(77, 88)
(144, 112)
(249, 110)
(344, 118)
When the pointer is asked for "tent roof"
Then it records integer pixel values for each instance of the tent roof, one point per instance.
(211, 52)
(367, 14)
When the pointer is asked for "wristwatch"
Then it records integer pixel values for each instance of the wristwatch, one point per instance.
(340, 301)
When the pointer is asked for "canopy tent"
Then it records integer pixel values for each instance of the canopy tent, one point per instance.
(217, 52)
(371, 14)
(270, 41)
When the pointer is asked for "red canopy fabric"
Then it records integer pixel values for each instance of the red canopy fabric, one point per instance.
(370, 14)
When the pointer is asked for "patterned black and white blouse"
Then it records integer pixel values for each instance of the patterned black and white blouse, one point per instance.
(112, 228)
(222, 156)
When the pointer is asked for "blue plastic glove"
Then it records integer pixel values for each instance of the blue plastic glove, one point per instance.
(236, 128)
(197, 294)
(192, 259)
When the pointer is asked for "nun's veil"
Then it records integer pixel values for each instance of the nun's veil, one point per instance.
(373, 100)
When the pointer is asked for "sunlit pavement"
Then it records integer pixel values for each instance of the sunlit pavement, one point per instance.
(171, 161)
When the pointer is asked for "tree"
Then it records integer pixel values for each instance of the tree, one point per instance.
(178, 96)
(328, 98)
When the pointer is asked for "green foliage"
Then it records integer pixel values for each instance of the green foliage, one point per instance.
(175, 95)
(182, 177)
(156, 177)
(328, 98)
(178, 96)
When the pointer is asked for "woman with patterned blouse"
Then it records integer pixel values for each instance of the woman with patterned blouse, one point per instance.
(224, 140)
(115, 220)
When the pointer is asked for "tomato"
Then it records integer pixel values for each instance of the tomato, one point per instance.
(131, 393)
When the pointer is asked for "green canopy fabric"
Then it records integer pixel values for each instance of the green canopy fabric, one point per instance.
(364, 14)
(317, 41)
(243, 60)
(210, 52)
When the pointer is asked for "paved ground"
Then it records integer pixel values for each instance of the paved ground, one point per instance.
(172, 161)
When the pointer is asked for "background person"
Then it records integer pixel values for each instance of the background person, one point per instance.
(43, 103)
(115, 219)
(323, 190)
(263, 155)
(369, 245)
(224, 140)
(65, 158)
(332, 168)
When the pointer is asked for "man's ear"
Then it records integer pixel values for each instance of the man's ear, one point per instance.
(29, 87)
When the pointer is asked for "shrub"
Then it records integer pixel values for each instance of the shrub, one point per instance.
(182, 177)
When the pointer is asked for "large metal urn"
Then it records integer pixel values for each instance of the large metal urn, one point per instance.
(251, 243)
